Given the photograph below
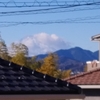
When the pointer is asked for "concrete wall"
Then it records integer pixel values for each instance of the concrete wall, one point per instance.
(92, 65)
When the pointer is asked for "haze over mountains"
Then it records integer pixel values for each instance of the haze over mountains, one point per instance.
(73, 58)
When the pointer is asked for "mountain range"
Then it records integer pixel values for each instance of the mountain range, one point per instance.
(73, 58)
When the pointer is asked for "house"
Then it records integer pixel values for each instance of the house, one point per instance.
(89, 81)
(20, 83)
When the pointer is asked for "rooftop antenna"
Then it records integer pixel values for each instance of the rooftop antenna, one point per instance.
(97, 38)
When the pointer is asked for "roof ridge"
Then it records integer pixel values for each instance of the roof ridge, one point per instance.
(81, 74)
(19, 67)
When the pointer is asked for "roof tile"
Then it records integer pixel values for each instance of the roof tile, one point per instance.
(17, 79)
(86, 78)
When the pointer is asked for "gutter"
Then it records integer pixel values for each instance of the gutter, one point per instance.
(89, 86)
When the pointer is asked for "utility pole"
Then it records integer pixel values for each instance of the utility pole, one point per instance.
(97, 38)
(99, 51)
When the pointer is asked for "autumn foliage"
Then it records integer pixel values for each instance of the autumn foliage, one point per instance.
(19, 55)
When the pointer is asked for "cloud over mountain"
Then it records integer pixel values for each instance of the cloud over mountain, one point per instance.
(42, 43)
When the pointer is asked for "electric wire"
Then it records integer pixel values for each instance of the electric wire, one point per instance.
(36, 23)
(47, 9)
(53, 12)
(88, 19)
(36, 3)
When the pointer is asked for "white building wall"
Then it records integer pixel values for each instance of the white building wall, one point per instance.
(92, 98)
(92, 65)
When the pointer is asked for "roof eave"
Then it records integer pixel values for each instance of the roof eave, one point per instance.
(89, 86)
(41, 97)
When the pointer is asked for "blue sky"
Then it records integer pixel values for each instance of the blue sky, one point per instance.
(77, 34)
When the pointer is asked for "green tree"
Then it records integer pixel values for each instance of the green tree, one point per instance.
(3, 50)
(49, 65)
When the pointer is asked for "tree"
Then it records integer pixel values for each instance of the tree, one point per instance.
(19, 48)
(3, 50)
(19, 59)
(65, 74)
(19, 54)
(85, 68)
(49, 65)
(34, 64)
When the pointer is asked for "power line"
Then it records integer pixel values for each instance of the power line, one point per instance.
(48, 9)
(69, 20)
(54, 11)
(60, 20)
(38, 23)
(36, 3)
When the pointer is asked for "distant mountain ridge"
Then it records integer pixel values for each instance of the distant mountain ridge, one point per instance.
(78, 54)
(73, 58)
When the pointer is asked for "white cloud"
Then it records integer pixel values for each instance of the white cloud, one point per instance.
(42, 43)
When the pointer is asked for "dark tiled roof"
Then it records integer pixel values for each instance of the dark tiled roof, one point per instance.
(15, 79)
(86, 78)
